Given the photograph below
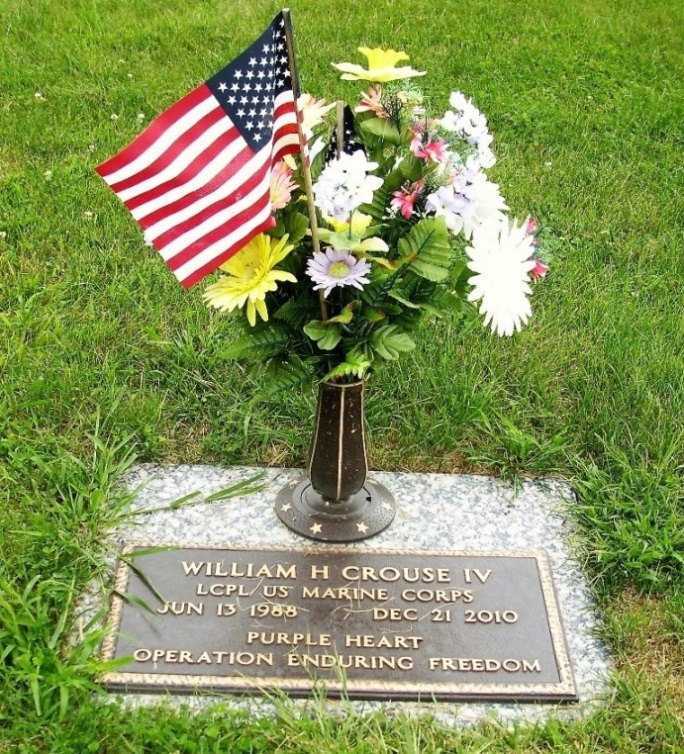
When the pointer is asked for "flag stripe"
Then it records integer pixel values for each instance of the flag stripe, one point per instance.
(192, 277)
(287, 145)
(282, 102)
(176, 149)
(197, 268)
(185, 262)
(208, 180)
(159, 216)
(141, 158)
(283, 105)
(193, 221)
(286, 132)
(217, 223)
(184, 169)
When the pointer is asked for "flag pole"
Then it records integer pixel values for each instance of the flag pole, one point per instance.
(340, 127)
(306, 168)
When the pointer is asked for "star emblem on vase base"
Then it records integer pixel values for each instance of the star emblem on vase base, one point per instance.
(306, 512)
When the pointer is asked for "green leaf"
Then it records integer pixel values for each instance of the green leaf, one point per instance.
(427, 247)
(376, 209)
(160, 548)
(390, 341)
(449, 301)
(381, 283)
(326, 336)
(460, 275)
(409, 320)
(343, 240)
(286, 374)
(264, 341)
(297, 311)
(381, 128)
(355, 364)
(296, 226)
(346, 315)
(430, 271)
(133, 599)
(399, 297)
(374, 315)
(142, 576)
(411, 167)
(409, 170)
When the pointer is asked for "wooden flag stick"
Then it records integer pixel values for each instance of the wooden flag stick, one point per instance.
(340, 127)
(306, 168)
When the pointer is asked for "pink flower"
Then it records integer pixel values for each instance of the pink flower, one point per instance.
(371, 102)
(531, 226)
(539, 270)
(432, 149)
(406, 197)
(282, 186)
(312, 112)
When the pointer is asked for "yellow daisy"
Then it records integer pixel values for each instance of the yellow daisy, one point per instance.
(250, 276)
(381, 66)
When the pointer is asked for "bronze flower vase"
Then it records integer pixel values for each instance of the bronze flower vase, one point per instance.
(337, 503)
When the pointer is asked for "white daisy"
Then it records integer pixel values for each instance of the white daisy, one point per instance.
(501, 256)
(487, 206)
(337, 268)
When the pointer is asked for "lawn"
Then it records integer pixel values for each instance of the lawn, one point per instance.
(105, 358)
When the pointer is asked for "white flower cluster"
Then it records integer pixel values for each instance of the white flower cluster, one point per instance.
(468, 202)
(345, 184)
(469, 124)
(501, 251)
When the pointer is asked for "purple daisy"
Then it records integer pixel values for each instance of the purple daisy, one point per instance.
(337, 267)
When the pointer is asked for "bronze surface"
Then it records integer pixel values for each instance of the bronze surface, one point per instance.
(360, 516)
(378, 624)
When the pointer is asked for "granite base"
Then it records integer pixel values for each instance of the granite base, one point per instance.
(434, 511)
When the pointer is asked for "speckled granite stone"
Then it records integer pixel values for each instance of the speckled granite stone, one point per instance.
(435, 511)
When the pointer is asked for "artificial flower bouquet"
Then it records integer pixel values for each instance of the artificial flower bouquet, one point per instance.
(409, 225)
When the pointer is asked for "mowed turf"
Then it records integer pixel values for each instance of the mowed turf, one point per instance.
(103, 356)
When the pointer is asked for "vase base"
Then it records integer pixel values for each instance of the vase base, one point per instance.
(363, 515)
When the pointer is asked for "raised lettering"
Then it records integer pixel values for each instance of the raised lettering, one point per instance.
(322, 571)
(191, 569)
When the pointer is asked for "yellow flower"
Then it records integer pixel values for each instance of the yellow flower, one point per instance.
(351, 238)
(359, 223)
(381, 66)
(250, 277)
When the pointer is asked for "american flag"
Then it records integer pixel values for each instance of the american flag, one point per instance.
(197, 180)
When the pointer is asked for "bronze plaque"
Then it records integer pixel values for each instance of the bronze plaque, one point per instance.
(376, 624)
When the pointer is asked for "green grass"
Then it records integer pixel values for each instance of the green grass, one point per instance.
(103, 356)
